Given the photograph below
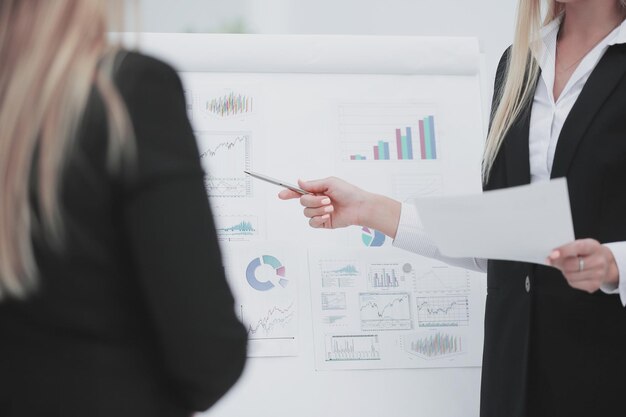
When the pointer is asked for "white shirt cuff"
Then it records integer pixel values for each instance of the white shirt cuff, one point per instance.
(619, 253)
(412, 237)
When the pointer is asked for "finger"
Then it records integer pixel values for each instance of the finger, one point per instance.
(578, 247)
(319, 221)
(318, 211)
(315, 186)
(288, 195)
(589, 264)
(310, 200)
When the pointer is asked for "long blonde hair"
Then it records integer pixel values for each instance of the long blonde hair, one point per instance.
(52, 53)
(520, 75)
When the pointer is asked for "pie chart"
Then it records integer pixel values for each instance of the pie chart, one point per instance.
(371, 237)
(265, 273)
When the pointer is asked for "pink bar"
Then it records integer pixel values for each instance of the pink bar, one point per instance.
(399, 143)
(352, 157)
(422, 140)
(376, 156)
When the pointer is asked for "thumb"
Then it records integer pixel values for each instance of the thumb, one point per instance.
(315, 186)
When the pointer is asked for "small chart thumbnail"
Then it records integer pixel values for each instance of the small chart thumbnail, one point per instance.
(434, 345)
(274, 323)
(442, 279)
(237, 228)
(339, 274)
(384, 311)
(225, 156)
(445, 311)
(352, 348)
(334, 301)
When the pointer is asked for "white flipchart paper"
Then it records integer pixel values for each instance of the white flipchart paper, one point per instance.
(519, 224)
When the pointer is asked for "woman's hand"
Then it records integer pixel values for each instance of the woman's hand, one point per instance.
(586, 264)
(334, 203)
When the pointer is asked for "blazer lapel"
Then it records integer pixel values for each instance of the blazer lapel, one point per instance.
(597, 89)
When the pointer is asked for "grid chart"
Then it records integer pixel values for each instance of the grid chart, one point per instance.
(445, 311)
(385, 311)
(225, 156)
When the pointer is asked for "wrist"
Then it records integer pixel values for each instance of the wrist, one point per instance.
(612, 276)
(380, 213)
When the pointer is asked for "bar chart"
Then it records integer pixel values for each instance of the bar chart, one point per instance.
(388, 133)
(228, 105)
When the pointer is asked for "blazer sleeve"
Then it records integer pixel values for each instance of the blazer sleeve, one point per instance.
(173, 241)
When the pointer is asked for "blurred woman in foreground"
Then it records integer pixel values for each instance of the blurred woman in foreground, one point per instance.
(113, 300)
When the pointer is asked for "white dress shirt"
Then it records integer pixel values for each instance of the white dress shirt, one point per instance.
(546, 121)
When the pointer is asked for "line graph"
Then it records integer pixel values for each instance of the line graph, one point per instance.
(224, 146)
(443, 279)
(434, 345)
(385, 311)
(274, 323)
(224, 156)
(446, 311)
(352, 348)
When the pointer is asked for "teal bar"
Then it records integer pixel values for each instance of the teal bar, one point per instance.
(381, 150)
(405, 148)
(432, 130)
(428, 132)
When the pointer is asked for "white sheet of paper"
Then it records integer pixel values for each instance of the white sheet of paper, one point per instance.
(519, 224)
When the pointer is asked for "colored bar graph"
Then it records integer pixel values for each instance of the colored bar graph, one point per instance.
(404, 143)
(409, 143)
(428, 140)
(422, 140)
(431, 129)
(381, 152)
(399, 142)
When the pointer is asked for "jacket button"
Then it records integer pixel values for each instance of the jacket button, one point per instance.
(527, 284)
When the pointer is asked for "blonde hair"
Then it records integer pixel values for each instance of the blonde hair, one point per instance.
(52, 53)
(520, 75)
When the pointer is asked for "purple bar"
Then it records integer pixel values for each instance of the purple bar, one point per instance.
(399, 143)
(376, 156)
(422, 140)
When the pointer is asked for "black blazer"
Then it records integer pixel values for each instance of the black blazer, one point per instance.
(133, 317)
(551, 350)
